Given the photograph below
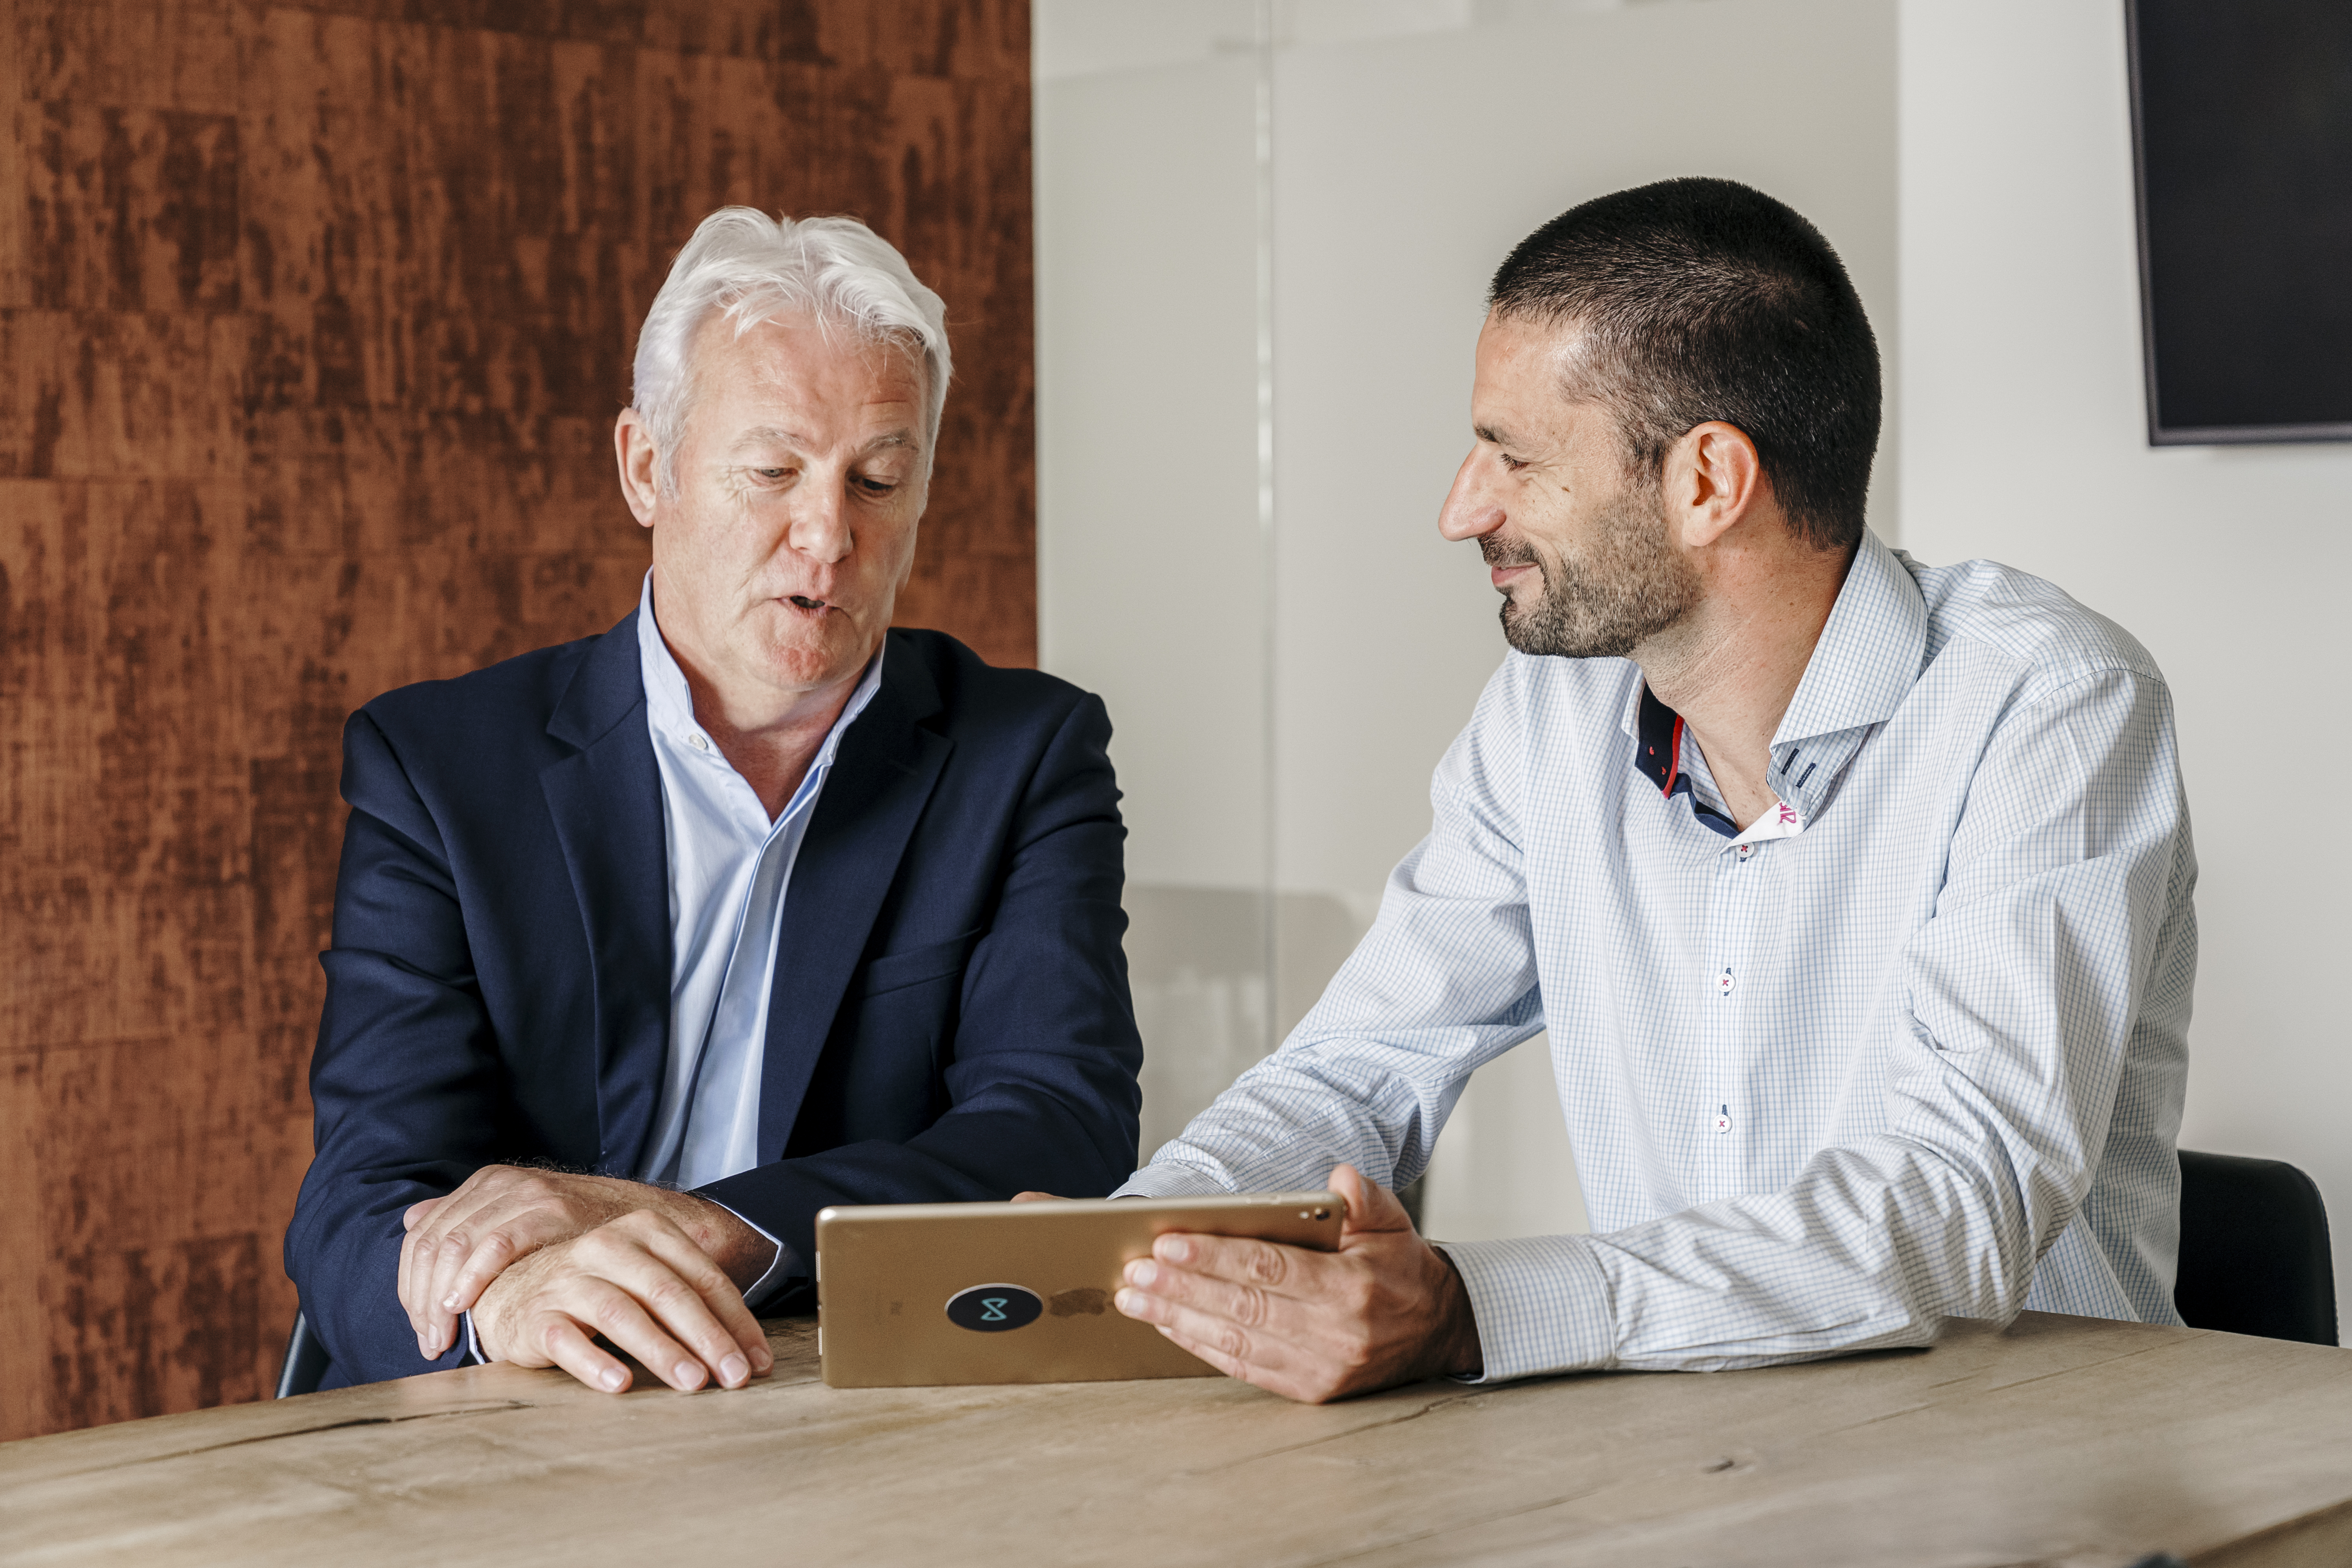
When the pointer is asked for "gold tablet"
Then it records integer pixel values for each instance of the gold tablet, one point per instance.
(946, 1293)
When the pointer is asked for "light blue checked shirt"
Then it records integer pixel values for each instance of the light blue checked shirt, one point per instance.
(1912, 1048)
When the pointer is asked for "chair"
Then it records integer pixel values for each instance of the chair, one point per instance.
(2253, 1250)
(306, 1361)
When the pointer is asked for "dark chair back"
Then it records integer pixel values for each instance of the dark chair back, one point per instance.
(2254, 1257)
(306, 1361)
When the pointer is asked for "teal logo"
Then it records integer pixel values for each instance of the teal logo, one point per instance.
(994, 1309)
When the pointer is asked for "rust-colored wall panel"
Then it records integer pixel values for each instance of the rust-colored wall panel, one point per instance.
(313, 319)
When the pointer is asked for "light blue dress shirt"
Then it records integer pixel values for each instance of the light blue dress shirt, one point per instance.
(729, 870)
(1911, 1047)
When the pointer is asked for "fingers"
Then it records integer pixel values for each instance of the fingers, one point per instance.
(430, 1267)
(1265, 1264)
(428, 1225)
(504, 1228)
(712, 1317)
(1266, 1359)
(557, 1328)
(642, 1283)
(567, 1345)
(416, 1251)
(456, 1246)
(1190, 1299)
(1036, 1197)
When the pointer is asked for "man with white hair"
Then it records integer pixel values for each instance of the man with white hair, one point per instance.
(649, 946)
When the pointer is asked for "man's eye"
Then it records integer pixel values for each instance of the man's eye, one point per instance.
(1511, 463)
(878, 487)
(772, 473)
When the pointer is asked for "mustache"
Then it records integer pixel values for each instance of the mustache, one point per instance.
(1500, 551)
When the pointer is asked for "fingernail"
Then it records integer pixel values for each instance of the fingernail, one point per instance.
(733, 1370)
(449, 1302)
(1141, 1272)
(1175, 1249)
(611, 1378)
(1128, 1302)
(688, 1374)
(763, 1359)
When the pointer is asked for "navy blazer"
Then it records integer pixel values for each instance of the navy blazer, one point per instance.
(950, 1018)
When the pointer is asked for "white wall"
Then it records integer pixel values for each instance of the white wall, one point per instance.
(2024, 440)
(1405, 167)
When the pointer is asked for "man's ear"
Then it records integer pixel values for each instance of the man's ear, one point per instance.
(1713, 479)
(632, 447)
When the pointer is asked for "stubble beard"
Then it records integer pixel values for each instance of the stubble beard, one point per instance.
(1627, 589)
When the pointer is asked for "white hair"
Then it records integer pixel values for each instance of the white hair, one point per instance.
(752, 267)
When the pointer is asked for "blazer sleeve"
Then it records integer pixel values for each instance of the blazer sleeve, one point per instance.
(1042, 1082)
(404, 1081)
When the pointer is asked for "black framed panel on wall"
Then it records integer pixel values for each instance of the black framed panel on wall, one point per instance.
(2241, 122)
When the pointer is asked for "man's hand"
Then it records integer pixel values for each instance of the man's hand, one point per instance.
(456, 1246)
(644, 1285)
(1386, 1307)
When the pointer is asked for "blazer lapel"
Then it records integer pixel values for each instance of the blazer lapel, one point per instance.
(606, 802)
(882, 777)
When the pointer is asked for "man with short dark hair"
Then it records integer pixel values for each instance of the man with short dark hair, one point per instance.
(1854, 893)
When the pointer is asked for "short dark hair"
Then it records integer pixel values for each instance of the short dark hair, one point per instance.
(1702, 299)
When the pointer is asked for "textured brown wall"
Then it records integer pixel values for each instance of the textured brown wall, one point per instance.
(313, 319)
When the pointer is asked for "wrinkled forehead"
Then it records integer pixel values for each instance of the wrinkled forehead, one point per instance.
(815, 362)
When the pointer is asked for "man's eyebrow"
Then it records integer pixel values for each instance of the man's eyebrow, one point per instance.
(1488, 434)
(769, 435)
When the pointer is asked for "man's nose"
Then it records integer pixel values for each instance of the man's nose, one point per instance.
(820, 528)
(1469, 512)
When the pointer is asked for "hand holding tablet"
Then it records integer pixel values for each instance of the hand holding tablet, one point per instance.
(1382, 1308)
(1291, 1291)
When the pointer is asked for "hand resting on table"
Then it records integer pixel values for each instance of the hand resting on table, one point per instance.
(547, 1260)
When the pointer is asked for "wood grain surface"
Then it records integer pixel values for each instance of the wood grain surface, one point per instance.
(2061, 1443)
(313, 319)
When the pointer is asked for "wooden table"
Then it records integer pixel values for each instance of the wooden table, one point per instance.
(2062, 1441)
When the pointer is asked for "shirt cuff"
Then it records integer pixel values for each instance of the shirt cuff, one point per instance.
(474, 1356)
(1168, 1180)
(1541, 1303)
(777, 1273)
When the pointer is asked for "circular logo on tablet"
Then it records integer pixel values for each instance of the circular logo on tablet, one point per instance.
(993, 1309)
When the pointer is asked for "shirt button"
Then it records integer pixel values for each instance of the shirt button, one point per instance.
(1722, 1122)
(1745, 850)
(1723, 983)
(697, 742)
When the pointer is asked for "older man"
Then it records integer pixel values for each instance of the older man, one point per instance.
(1854, 893)
(649, 946)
